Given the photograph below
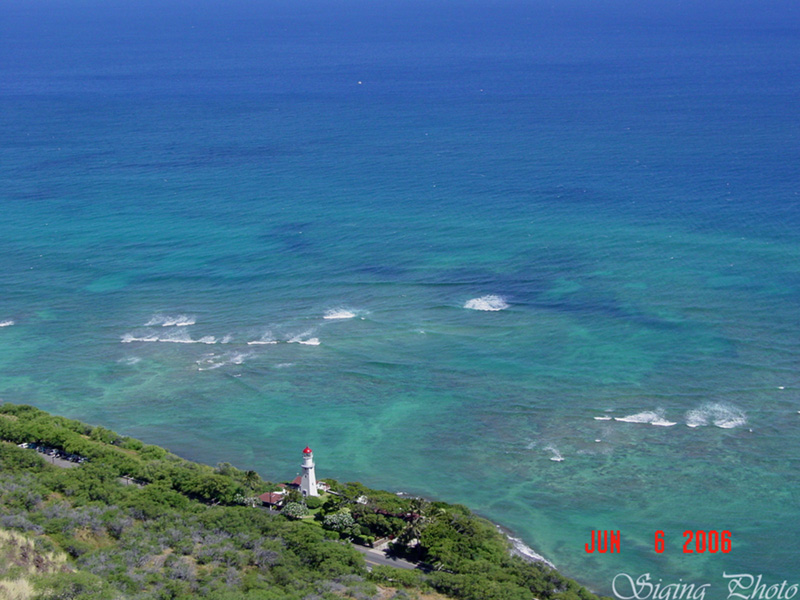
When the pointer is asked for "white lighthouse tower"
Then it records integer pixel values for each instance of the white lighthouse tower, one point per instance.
(308, 482)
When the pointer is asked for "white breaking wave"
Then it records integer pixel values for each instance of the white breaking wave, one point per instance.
(129, 337)
(487, 303)
(339, 313)
(180, 336)
(8, 323)
(213, 361)
(263, 340)
(227, 339)
(651, 417)
(304, 338)
(308, 342)
(521, 549)
(556, 454)
(129, 360)
(602, 418)
(168, 321)
(725, 416)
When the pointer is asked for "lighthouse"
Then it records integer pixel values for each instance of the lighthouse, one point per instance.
(308, 481)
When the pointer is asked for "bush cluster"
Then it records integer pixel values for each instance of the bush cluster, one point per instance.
(184, 531)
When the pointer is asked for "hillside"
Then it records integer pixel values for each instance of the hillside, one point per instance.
(175, 529)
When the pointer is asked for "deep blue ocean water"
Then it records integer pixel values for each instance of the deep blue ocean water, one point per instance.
(620, 179)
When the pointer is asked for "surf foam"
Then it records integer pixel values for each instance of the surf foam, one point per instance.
(724, 416)
(523, 550)
(556, 454)
(168, 321)
(309, 342)
(180, 336)
(8, 323)
(263, 340)
(127, 338)
(650, 417)
(212, 361)
(491, 302)
(304, 339)
(339, 313)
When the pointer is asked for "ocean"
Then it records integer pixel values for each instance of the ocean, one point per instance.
(538, 258)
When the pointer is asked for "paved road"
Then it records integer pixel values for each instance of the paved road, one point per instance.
(59, 462)
(375, 557)
(68, 464)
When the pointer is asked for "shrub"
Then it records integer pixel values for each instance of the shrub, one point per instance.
(19, 460)
(340, 521)
(294, 510)
(313, 502)
(74, 586)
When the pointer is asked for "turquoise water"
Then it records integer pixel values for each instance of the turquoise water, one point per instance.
(621, 182)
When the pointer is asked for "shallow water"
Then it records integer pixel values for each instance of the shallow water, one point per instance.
(541, 261)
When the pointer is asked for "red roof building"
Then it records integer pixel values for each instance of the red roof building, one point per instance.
(271, 498)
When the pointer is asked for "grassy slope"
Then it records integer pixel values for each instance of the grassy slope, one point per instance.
(79, 533)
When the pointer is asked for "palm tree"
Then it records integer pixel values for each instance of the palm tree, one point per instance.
(419, 510)
(251, 480)
(420, 506)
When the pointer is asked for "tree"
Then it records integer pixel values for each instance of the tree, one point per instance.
(313, 502)
(293, 495)
(339, 521)
(416, 522)
(294, 510)
(252, 480)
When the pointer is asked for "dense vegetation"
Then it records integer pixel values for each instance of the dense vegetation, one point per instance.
(189, 530)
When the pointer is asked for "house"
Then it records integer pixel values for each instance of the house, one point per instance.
(272, 499)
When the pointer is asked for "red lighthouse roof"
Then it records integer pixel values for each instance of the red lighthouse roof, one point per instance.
(307, 450)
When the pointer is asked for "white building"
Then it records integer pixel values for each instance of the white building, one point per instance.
(308, 480)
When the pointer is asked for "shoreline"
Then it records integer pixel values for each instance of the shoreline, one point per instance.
(468, 555)
(515, 546)
(521, 549)
(518, 546)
